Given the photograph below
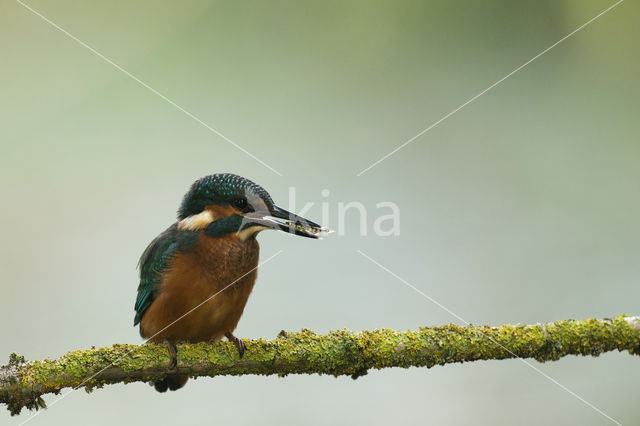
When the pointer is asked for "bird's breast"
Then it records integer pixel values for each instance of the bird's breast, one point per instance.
(205, 290)
(225, 259)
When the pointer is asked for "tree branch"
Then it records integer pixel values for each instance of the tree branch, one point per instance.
(337, 353)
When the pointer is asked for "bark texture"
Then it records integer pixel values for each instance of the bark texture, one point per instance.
(341, 352)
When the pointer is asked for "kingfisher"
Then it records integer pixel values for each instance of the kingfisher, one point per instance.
(197, 275)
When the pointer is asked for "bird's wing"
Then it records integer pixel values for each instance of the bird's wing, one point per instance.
(155, 260)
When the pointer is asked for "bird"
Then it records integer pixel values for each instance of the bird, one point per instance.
(197, 275)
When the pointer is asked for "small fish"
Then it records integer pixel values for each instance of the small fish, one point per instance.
(308, 228)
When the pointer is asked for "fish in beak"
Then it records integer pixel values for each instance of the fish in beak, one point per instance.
(289, 222)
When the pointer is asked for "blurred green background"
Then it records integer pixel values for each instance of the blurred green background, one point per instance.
(523, 207)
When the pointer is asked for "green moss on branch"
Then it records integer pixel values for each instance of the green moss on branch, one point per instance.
(337, 353)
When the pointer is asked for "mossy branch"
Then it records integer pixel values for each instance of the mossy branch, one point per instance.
(337, 353)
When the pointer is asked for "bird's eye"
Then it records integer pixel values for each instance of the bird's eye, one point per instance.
(240, 203)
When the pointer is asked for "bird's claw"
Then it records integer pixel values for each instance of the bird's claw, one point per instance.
(173, 354)
(238, 342)
(240, 345)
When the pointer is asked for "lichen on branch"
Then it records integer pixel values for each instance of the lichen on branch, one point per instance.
(338, 353)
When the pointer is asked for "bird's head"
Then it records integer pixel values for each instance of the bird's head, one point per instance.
(246, 208)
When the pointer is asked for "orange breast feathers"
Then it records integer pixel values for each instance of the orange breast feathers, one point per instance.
(203, 294)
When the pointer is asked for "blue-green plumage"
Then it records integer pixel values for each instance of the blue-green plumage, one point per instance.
(221, 188)
(154, 262)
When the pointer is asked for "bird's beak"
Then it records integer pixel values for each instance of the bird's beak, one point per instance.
(293, 224)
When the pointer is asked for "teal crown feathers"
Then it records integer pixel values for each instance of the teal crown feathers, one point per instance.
(220, 188)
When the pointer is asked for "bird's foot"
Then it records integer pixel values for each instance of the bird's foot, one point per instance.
(173, 353)
(238, 342)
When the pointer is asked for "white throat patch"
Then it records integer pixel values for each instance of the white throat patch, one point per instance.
(250, 232)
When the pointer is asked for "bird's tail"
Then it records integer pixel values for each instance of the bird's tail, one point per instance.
(173, 382)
